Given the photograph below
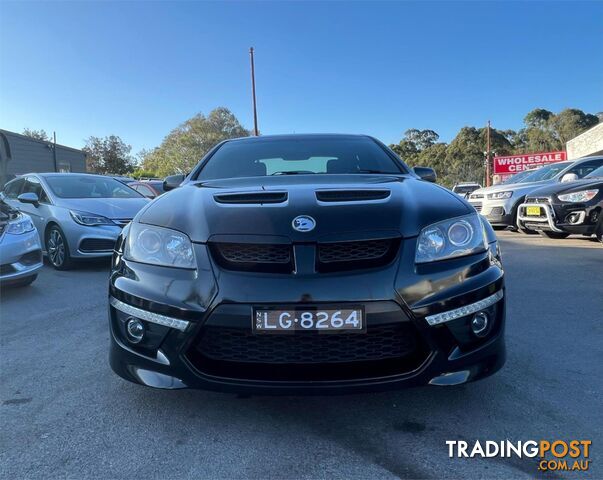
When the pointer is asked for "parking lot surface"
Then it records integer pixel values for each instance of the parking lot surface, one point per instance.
(65, 414)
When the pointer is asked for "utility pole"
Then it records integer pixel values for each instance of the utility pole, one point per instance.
(488, 155)
(255, 112)
(54, 149)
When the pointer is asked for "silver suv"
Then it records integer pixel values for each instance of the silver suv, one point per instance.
(499, 203)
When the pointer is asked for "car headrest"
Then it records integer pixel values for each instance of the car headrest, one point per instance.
(341, 165)
(255, 169)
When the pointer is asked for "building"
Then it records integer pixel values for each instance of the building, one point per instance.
(20, 154)
(586, 144)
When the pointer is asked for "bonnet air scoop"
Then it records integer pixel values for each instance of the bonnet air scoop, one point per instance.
(351, 195)
(251, 198)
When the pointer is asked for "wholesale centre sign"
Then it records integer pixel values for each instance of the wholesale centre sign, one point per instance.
(518, 163)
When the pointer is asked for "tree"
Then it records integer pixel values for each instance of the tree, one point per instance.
(413, 143)
(570, 123)
(108, 155)
(546, 131)
(184, 146)
(36, 134)
(463, 159)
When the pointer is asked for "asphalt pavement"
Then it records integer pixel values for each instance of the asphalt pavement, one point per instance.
(63, 412)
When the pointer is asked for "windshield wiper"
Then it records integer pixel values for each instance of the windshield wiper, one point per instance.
(376, 171)
(293, 172)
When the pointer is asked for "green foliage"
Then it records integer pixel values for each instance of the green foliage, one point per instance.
(142, 173)
(184, 146)
(464, 158)
(36, 134)
(108, 155)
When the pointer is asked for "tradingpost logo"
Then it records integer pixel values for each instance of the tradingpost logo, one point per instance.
(553, 455)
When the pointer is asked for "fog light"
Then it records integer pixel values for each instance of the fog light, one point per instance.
(479, 324)
(135, 330)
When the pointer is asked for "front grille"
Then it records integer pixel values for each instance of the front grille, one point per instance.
(238, 353)
(258, 257)
(358, 254)
(476, 195)
(477, 206)
(537, 200)
(96, 245)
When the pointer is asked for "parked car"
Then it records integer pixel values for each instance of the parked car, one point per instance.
(558, 210)
(148, 188)
(306, 263)
(499, 203)
(516, 178)
(20, 249)
(463, 189)
(78, 216)
(123, 179)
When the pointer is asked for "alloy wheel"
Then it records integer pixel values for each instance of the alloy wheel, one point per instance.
(56, 248)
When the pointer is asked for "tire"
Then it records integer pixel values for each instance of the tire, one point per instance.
(527, 231)
(23, 282)
(558, 235)
(516, 227)
(599, 230)
(57, 249)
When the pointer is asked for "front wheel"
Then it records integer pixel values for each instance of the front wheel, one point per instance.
(57, 249)
(558, 235)
(599, 230)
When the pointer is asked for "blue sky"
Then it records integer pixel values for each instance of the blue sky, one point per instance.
(139, 69)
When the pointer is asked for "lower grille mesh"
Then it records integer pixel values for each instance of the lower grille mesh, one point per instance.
(237, 345)
(384, 350)
(96, 245)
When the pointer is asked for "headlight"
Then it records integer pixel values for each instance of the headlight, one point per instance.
(500, 195)
(20, 225)
(582, 196)
(159, 246)
(89, 219)
(451, 238)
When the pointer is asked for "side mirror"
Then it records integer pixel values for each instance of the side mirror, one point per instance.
(29, 197)
(425, 173)
(569, 177)
(173, 181)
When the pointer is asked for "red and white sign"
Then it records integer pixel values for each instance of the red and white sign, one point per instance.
(518, 163)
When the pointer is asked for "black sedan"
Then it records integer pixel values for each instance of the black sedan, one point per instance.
(306, 264)
(559, 210)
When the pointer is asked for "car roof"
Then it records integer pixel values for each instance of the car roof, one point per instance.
(299, 136)
(66, 174)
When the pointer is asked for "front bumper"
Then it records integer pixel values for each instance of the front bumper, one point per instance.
(20, 256)
(574, 218)
(90, 241)
(500, 213)
(215, 349)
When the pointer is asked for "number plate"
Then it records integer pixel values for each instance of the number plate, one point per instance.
(320, 319)
(533, 211)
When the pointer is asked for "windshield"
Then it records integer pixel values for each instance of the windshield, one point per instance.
(157, 186)
(307, 155)
(84, 186)
(465, 188)
(597, 173)
(545, 173)
(517, 178)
